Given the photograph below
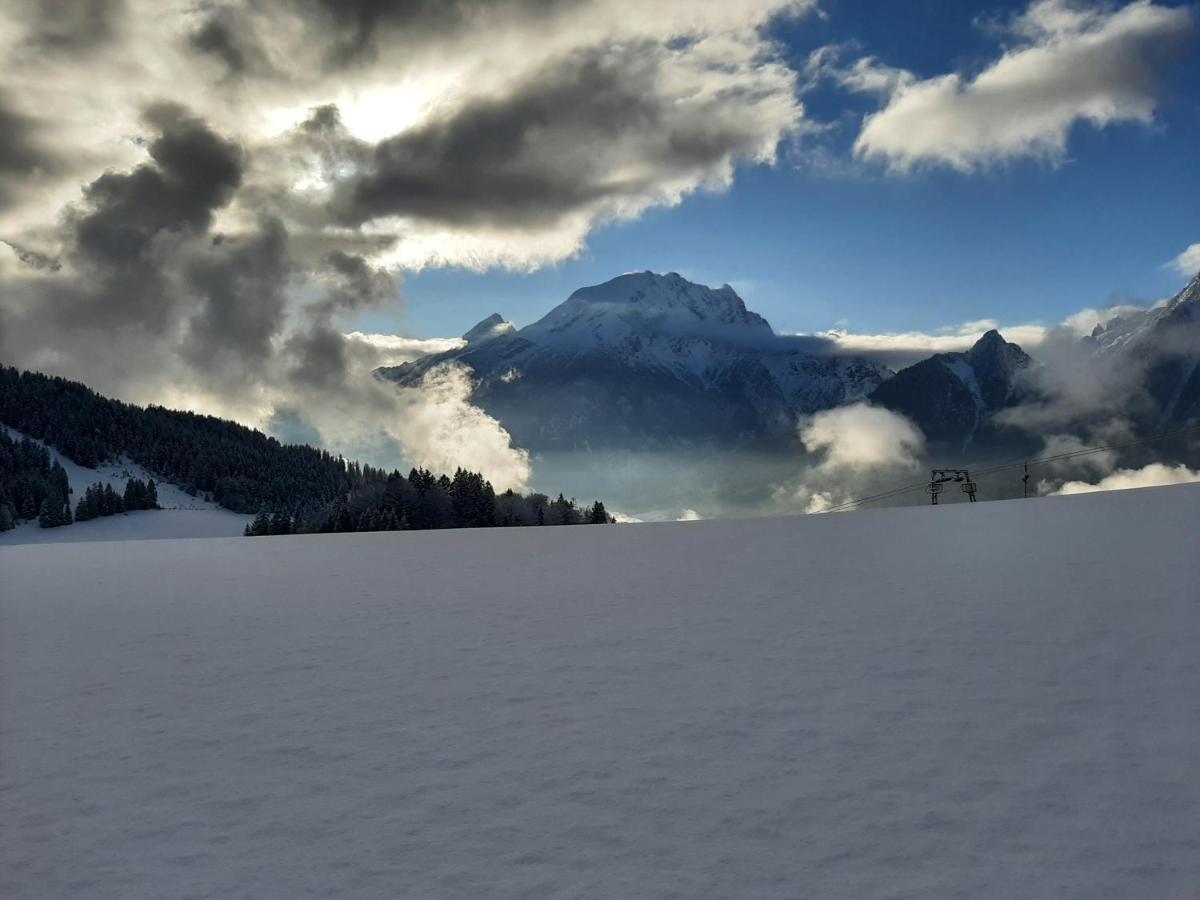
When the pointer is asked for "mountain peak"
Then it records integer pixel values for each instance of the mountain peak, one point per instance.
(652, 304)
(1190, 294)
(990, 338)
(493, 326)
(992, 349)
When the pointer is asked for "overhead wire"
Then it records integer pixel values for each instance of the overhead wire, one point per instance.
(1041, 460)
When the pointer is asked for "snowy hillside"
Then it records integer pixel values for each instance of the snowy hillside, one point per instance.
(648, 359)
(987, 701)
(181, 516)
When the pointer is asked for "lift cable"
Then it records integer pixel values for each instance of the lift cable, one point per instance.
(905, 489)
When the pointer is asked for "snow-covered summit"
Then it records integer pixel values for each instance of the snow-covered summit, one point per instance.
(493, 326)
(1134, 331)
(650, 305)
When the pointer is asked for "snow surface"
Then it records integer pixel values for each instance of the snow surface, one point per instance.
(181, 516)
(988, 700)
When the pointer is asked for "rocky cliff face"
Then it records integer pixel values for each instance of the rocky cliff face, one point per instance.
(953, 397)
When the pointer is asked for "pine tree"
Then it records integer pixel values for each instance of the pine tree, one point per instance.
(134, 494)
(54, 511)
(262, 524)
(111, 503)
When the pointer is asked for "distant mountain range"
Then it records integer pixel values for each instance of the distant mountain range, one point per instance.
(648, 360)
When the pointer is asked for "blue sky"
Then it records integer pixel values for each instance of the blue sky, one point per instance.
(821, 238)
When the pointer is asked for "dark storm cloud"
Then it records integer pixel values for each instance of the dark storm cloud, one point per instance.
(358, 285)
(23, 153)
(552, 146)
(353, 26)
(70, 26)
(218, 39)
(230, 38)
(119, 252)
(321, 353)
(32, 258)
(193, 172)
(145, 281)
(239, 284)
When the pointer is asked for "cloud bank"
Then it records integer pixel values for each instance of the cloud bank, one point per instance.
(429, 133)
(903, 348)
(1152, 475)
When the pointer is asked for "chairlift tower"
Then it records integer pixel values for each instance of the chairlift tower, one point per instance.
(939, 478)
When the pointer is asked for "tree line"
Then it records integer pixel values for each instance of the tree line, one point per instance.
(424, 501)
(293, 487)
(103, 500)
(32, 485)
(239, 468)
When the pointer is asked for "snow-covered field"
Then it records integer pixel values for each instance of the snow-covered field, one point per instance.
(998, 700)
(181, 516)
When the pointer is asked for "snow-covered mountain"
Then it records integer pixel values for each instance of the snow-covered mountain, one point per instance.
(1166, 340)
(648, 359)
(952, 397)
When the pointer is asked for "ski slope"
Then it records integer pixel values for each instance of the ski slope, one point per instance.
(181, 515)
(994, 700)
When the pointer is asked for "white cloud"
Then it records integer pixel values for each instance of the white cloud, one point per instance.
(1188, 262)
(623, 519)
(689, 515)
(796, 496)
(441, 430)
(865, 76)
(862, 437)
(1075, 63)
(1153, 475)
(1086, 320)
(903, 348)
(395, 349)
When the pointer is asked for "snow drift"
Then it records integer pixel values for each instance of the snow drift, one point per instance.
(995, 700)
